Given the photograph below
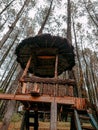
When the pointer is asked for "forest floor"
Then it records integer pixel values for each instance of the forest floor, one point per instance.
(17, 118)
(42, 126)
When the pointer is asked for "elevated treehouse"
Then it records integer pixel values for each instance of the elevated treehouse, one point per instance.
(44, 58)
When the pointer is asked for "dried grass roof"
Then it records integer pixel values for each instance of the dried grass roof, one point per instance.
(43, 49)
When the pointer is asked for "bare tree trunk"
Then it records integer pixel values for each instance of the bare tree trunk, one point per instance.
(46, 18)
(69, 37)
(6, 53)
(93, 80)
(8, 77)
(10, 106)
(6, 68)
(80, 82)
(8, 115)
(92, 17)
(6, 7)
(5, 37)
(1, 26)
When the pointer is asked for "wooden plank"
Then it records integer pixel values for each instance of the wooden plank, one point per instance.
(46, 57)
(80, 103)
(48, 80)
(48, 99)
(43, 98)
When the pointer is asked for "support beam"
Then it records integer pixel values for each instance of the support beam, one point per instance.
(27, 67)
(34, 79)
(43, 98)
(53, 122)
(79, 103)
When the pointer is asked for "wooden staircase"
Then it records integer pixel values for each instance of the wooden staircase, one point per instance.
(83, 120)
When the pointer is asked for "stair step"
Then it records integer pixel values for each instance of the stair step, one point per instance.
(31, 115)
(88, 128)
(31, 124)
(84, 112)
(84, 117)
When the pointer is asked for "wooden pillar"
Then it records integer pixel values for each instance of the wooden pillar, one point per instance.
(27, 67)
(36, 117)
(56, 67)
(72, 125)
(53, 122)
(36, 120)
(24, 74)
(27, 120)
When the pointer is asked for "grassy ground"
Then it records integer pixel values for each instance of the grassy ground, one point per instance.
(17, 118)
(16, 123)
(42, 126)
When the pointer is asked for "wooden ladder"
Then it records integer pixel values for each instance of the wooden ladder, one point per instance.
(26, 122)
(83, 120)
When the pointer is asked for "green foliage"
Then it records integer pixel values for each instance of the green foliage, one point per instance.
(16, 117)
(1, 90)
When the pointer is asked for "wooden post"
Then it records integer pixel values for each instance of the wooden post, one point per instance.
(24, 74)
(56, 66)
(36, 117)
(27, 120)
(36, 120)
(53, 122)
(27, 67)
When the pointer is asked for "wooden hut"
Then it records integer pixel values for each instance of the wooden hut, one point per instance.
(43, 58)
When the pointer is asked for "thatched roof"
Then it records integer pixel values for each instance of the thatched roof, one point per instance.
(43, 49)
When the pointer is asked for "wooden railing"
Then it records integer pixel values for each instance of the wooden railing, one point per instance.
(46, 86)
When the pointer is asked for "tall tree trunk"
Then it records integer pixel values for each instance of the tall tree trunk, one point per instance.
(5, 37)
(6, 7)
(8, 115)
(8, 77)
(10, 106)
(6, 53)
(80, 81)
(6, 69)
(94, 83)
(46, 18)
(90, 15)
(69, 37)
(1, 26)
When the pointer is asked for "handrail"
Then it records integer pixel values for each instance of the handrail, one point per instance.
(77, 121)
(93, 121)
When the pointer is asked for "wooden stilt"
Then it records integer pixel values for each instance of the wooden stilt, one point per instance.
(27, 120)
(72, 125)
(24, 74)
(27, 67)
(36, 120)
(56, 67)
(53, 122)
